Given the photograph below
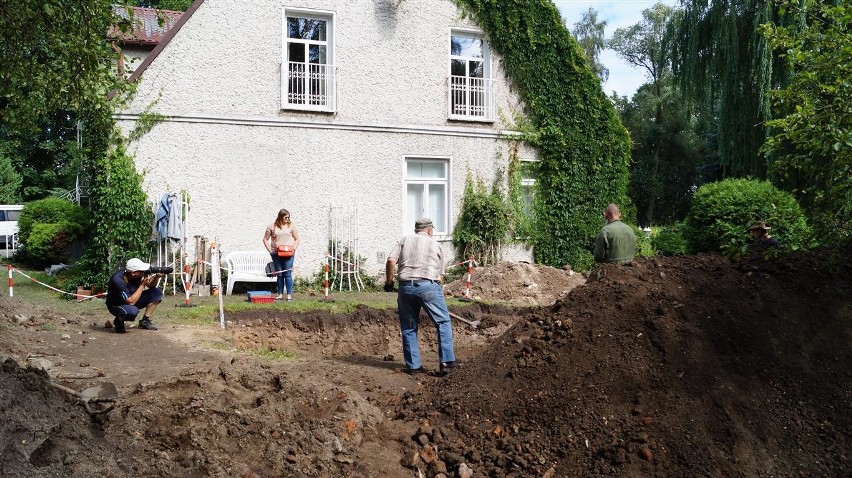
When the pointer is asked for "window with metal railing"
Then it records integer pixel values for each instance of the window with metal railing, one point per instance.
(308, 76)
(470, 87)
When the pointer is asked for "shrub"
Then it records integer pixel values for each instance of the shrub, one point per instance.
(669, 240)
(483, 223)
(48, 226)
(644, 246)
(722, 211)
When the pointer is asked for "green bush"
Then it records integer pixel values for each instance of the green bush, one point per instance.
(48, 226)
(644, 246)
(722, 211)
(484, 222)
(669, 240)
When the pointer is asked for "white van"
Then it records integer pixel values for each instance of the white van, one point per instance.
(9, 214)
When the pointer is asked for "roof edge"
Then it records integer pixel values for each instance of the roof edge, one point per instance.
(165, 41)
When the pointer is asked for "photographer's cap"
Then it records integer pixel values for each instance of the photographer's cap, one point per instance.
(137, 265)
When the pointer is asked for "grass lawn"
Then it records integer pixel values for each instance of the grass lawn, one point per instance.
(203, 310)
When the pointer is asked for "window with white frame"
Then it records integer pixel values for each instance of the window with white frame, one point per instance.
(427, 192)
(471, 89)
(308, 75)
(528, 177)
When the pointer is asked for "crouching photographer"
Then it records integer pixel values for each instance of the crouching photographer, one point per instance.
(132, 288)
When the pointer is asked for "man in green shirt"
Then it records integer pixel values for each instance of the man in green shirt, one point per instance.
(616, 242)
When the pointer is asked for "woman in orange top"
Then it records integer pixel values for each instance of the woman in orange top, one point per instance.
(281, 239)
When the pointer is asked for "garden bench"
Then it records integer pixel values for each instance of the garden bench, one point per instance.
(247, 266)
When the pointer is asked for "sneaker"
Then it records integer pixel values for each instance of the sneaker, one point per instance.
(279, 297)
(413, 371)
(289, 299)
(449, 366)
(147, 324)
(119, 326)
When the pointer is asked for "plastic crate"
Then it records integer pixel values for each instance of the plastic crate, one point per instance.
(263, 299)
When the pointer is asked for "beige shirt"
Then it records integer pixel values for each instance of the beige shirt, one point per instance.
(281, 236)
(418, 256)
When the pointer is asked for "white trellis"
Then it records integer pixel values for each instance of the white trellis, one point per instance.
(344, 246)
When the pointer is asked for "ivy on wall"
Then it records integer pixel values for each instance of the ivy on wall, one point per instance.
(123, 217)
(583, 149)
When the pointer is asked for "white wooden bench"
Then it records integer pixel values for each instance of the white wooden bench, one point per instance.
(247, 266)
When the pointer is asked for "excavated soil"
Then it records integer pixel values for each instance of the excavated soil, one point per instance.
(518, 283)
(690, 366)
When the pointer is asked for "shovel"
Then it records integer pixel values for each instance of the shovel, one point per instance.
(96, 400)
(472, 323)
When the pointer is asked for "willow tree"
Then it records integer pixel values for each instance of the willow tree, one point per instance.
(725, 64)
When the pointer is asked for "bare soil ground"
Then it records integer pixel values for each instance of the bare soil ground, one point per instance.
(692, 366)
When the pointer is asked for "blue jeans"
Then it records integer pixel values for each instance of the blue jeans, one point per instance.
(129, 312)
(285, 279)
(430, 296)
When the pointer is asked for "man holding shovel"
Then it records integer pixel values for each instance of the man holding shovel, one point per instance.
(418, 259)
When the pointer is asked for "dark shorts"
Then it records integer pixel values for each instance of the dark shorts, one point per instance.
(129, 312)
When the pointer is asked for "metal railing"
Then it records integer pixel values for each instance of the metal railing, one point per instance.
(471, 98)
(309, 86)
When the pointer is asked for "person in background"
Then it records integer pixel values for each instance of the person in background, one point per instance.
(762, 240)
(130, 289)
(418, 259)
(616, 242)
(281, 239)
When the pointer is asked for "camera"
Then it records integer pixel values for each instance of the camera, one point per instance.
(159, 270)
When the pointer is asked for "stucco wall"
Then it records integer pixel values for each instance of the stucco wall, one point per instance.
(241, 158)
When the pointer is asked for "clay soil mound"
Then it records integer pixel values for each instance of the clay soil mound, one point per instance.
(517, 283)
(692, 366)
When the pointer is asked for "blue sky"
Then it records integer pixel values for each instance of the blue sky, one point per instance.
(623, 78)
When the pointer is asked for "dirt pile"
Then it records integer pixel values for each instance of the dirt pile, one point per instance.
(518, 283)
(691, 366)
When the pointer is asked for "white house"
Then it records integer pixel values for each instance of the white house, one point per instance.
(318, 106)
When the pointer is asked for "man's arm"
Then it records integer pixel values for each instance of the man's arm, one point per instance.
(390, 266)
(134, 297)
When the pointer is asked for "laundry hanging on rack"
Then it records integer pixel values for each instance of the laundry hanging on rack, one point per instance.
(168, 222)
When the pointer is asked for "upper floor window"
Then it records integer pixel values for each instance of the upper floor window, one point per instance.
(427, 189)
(309, 78)
(471, 89)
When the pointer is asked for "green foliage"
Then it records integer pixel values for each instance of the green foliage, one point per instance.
(727, 68)
(48, 243)
(582, 147)
(811, 133)
(47, 227)
(644, 246)
(483, 223)
(122, 216)
(666, 153)
(669, 240)
(51, 211)
(177, 5)
(56, 75)
(522, 222)
(722, 211)
(146, 121)
(10, 181)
